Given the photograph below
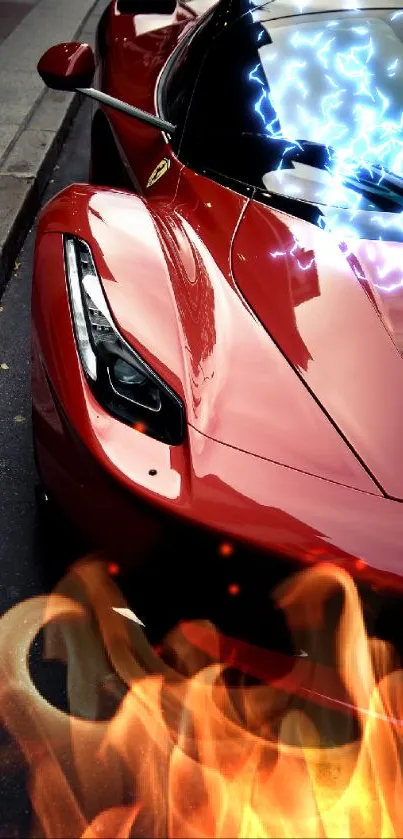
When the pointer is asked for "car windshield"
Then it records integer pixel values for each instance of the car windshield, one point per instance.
(333, 91)
(307, 106)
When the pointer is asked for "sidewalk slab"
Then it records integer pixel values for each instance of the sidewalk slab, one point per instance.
(34, 121)
(12, 13)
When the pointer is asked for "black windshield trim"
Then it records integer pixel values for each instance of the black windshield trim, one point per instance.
(174, 58)
(315, 214)
(323, 11)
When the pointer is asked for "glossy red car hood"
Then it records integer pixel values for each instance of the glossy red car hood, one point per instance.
(239, 388)
(255, 383)
(336, 312)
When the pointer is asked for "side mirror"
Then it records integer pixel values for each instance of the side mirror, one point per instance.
(68, 66)
(72, 67)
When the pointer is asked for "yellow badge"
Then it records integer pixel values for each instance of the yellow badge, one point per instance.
(159, 171)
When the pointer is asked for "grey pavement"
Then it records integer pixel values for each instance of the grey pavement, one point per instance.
(12, 12)
(22, 548)
(29, 546)
(33, 120)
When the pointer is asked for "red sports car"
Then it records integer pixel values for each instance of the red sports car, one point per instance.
(218, 316)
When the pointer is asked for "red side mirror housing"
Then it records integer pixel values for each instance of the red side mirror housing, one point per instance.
(68, 66)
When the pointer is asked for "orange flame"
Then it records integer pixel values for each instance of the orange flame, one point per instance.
(185, 754)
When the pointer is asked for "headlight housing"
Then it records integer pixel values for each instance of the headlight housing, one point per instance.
(121, 381)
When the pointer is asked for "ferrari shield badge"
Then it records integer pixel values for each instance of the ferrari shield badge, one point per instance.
(159, 171)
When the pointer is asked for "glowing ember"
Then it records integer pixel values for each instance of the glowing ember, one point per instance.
(226, 549)
(360, 564)
(141, 427)
(113, 569)
(184, 752)
(234, 589)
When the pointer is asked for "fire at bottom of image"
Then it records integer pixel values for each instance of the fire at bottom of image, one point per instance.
(189, 748)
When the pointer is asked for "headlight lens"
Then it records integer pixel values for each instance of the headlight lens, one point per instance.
(121, 381)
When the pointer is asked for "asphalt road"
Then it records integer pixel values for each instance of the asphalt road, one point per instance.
(22, 547)
(26, 546)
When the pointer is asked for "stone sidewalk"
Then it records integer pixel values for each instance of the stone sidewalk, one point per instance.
(33, 120)
(12, 12)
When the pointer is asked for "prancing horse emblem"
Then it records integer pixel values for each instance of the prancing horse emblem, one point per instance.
(159, 171)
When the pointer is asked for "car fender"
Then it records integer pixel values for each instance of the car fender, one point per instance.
(131, 265)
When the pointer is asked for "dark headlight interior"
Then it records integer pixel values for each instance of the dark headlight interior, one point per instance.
(121, 380)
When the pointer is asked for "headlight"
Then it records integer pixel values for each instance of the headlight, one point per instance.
(121, 381)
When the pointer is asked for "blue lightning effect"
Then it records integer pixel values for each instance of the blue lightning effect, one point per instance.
(265, 108)
(391, 266)
(389, 289)
(357, 118)
(393, 65)
(382, 273)
(292, 252)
